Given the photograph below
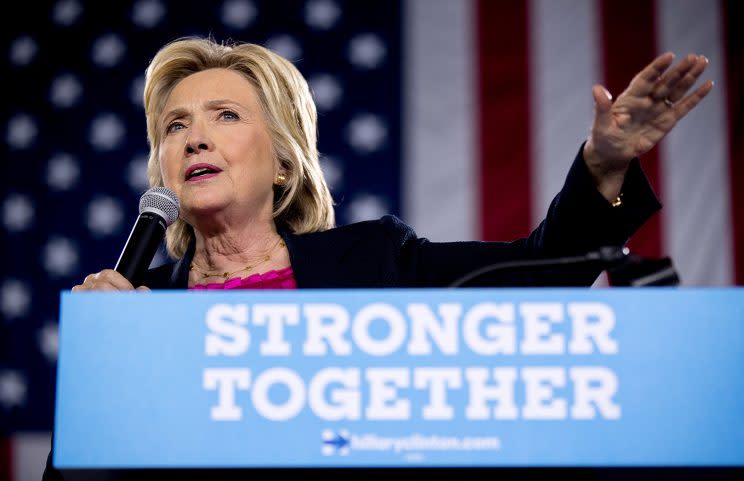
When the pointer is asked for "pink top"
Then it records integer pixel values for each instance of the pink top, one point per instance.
(281, 279)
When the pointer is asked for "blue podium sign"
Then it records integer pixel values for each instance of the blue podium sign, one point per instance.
(391, 378)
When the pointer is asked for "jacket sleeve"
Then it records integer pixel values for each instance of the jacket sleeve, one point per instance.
(578, 220)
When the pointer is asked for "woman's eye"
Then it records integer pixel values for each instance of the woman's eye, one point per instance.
(229, 115)
(173, 126)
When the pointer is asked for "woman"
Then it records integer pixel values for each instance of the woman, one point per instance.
(232, 131)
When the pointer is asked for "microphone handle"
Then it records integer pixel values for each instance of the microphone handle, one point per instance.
(140, 248)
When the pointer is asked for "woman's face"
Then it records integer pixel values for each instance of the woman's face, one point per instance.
(215, 152)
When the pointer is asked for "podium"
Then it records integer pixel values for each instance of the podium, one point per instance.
(401, 379)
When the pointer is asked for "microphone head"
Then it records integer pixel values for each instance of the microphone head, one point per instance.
(161, 201)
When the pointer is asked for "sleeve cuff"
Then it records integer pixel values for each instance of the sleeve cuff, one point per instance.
(639, 202)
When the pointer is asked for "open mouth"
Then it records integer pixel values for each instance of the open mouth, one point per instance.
(201, 171)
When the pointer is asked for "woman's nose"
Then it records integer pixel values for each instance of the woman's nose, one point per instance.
(198, 139)
(194, 146)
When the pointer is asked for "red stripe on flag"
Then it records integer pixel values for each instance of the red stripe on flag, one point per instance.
(734, 42)
(629, 44)
(503, 59)
(6, 458)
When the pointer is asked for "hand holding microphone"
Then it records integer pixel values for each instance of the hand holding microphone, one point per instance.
(158, 208)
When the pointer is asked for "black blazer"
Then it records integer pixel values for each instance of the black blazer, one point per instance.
(387, 252)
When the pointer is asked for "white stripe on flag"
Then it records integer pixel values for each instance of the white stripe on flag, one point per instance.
(565, 53)
(30, 452)
(694, 157)
(564, 64)
(440, 188)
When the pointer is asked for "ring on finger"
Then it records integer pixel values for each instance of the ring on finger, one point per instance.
(668, 102)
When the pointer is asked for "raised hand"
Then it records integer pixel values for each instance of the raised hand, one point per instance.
(640, 117)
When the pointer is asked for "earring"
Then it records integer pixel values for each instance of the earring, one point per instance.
(281, 179)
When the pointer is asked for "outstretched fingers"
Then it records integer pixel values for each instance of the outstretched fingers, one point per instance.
(688, 103)
(684, 84)
(669, 81)
(643, 83)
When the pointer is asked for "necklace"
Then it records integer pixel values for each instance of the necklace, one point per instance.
(227, 275)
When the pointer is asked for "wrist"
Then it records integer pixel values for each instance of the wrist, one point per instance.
(608, 175)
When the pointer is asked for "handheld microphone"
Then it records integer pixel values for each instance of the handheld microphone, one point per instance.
(158, 208)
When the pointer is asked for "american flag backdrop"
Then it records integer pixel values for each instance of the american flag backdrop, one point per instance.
(459, 116)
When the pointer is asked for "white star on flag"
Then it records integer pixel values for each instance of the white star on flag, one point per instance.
(366, 207)
(104, 216)
(147, 13)
(65, 91)
(60, 256)
(49, 341)
(66, 12)
(367, 51)
(238, 14)
(321, 14)
(106, 132)
(286, 46)
(366, 133)
(22, 131)
(108, 50)
(18, 212)
(326, 91)
(12, 389)
(23, 50)
(62, 172)
(15, 298)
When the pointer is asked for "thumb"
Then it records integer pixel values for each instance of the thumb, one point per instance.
(602, 106)
(143, 289)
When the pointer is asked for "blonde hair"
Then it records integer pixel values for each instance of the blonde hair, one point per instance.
(303, 203)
